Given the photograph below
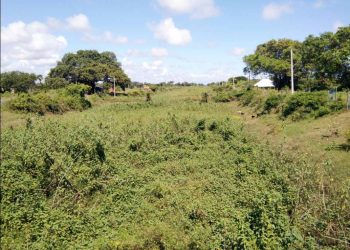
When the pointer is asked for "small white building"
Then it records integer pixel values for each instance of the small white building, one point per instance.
(264, 83)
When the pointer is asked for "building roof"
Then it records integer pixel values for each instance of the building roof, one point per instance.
(264, 83)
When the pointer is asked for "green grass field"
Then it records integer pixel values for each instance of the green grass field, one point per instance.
(173, 173)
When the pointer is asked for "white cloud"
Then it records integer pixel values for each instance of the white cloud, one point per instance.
(30, 47)
(127, 62)
(150, 71)
(196, 8)
(167, 31)
(140, 41)
(109, 37)
(237, 51)
(156, 68)
(337, 25)
(54, 23)
(78, 22)
(274, 11)
(319, 4)
(159, 52)
(105, 37)
(211, 75)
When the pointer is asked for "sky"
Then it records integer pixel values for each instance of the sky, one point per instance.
(159, 40)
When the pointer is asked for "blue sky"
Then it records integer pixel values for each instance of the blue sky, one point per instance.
(159, 40)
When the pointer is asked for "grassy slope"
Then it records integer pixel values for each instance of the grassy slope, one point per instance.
(174, 190)
(316, 139)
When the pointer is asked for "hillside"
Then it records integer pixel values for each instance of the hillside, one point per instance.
(173, 173)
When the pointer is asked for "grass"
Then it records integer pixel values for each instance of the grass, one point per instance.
(174, 173)
(316, 139)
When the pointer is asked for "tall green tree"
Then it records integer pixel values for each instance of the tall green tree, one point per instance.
(88, 67)
(326, 59)
(273, 58)
(18, 81)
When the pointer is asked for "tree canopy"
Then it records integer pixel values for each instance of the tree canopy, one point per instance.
(89, 66)
(326, 58)
(273, 58)
(319, 61)
(19, 81)
(237, 79)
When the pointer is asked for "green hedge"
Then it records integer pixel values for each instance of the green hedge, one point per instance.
(298, 106)
(310, 104)
(59, 101)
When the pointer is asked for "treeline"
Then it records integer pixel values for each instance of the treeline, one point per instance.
(84, 67)
(320, 62)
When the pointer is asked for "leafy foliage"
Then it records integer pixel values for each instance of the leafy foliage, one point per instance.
(326, 59)
(18, 81)
(179, 178)
(298, 106)
(273, 101)
(69, 98)
(273, 58)
(55, 83)
(319, 62)
(89, 66)
(314, 104)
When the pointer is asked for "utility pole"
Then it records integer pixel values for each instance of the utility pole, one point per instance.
(292, 70)
(114, 86)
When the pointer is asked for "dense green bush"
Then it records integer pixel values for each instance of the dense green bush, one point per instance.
(55, 83)
(272, 102)
(135, 176)
(247, 97)
(136, 92)
(138, 187)
(298, 106)
(309, 104)
(55, 101)
(224, 96)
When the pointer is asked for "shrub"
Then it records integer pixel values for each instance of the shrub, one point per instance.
(26, 103)
(58, 101)
(247, 97)
(55, 83)
(148, 97)
(136, 92)
(205, 97)
(272, 102)
(200, 125)
(222, 96)
(76, 90)
(322, 111)
(309, 104)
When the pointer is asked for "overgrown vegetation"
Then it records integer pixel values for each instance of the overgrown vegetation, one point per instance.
(298, 106)
(71, 97)
(172, 173)
(310, 104)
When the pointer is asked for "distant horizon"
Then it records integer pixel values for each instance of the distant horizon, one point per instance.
(201, 41)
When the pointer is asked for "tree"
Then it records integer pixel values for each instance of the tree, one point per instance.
(55, 82)
(19, 81)
(326, 59)
(39, 78)
(273, 58)
(89, 66)
(237, 79)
